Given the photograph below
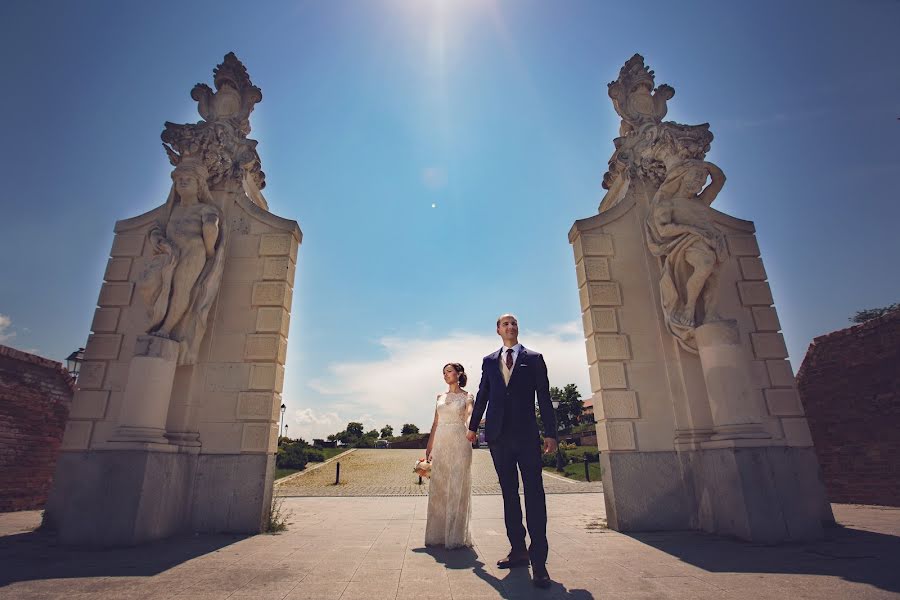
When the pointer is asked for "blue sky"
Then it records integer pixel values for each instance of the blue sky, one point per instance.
(495, 112)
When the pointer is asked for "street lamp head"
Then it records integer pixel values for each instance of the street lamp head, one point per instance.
(73, 362)
(283, 407)
(555, 404)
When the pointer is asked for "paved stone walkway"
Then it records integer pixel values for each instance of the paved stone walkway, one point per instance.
(371, 548)
(389, 473)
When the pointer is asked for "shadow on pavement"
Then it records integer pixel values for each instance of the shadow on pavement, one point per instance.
(514, 585)
(37, 555)
(855, 555)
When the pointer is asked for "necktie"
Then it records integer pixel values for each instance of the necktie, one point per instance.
(509, 361)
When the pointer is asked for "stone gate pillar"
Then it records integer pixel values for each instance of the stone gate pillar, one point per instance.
(173, 427)
(698, 420)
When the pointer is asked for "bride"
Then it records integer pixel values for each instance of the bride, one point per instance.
(450, 490)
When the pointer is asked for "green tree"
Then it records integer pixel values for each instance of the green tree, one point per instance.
(570, 405)
(408, 429)
(372, 434)
(351, 435)
(387, 431)
(868, 314)
(291, 455)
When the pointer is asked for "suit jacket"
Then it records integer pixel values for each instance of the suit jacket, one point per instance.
(510, 408)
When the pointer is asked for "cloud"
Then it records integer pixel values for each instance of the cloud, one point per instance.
(309, 424)
(402, 386)
(5, 333)
(434, 178)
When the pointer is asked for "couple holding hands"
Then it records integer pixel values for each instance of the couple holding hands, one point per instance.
(511, 377)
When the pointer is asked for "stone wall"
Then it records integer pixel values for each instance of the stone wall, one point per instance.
(850, 386)
(35, 394)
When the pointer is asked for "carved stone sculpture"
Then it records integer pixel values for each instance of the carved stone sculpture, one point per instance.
(634, 98)
(220, 141)
(680, 229)
(668, 158)
(698, 422)
(180, 283)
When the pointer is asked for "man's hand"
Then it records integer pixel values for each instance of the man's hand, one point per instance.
(549, 446)
(470, 435)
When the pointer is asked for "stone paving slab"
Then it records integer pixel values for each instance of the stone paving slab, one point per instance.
(389, 473)
(371, 548)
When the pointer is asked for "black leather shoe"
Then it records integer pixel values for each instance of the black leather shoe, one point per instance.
(514, 559)
(540, 577)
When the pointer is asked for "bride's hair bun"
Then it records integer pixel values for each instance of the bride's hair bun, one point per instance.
(463, 378)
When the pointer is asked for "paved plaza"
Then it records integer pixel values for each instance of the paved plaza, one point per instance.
(371, 548)
(390, 473)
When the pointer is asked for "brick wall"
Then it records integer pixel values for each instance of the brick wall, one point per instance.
(850, 386)
(35, 394)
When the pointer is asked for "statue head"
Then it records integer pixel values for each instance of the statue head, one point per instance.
(694, 178)
(190, 179)
(190, 183)
(684, 180)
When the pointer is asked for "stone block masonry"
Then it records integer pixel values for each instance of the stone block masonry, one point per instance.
(850, 387)
(35, 395)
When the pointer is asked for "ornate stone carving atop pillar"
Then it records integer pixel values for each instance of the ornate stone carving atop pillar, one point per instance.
(175, 429)
(688, 370)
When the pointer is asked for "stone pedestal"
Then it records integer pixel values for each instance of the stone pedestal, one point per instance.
(145, 403)
(734, 403)
(765, 495)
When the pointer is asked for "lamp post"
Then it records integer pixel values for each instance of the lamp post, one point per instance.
(285, 430)
(560, 461)
(73, 362)
(283, 407)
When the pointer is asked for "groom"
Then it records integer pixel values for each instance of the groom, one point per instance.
(510, 378)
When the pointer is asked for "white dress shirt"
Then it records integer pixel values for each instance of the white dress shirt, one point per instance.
(515, 354)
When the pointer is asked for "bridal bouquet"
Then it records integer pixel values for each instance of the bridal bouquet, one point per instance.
(422, 468)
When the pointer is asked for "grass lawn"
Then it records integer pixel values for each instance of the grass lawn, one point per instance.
(330, 452)
(578, 451)
(279, 473)
(576, 471)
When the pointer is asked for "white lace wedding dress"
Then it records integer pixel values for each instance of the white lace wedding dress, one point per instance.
(450, 489)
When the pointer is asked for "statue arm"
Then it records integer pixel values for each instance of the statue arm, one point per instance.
(717, 176)
(210, 233)
(669, 228)
(158, 240)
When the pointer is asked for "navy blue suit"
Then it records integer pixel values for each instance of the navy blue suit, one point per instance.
(512, 433)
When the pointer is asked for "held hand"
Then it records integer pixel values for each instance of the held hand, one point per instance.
(549, 446)
(470, 435)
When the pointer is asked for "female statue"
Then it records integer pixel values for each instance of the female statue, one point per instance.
(181, 281)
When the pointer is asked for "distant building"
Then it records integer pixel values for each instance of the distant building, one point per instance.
(587, 412)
